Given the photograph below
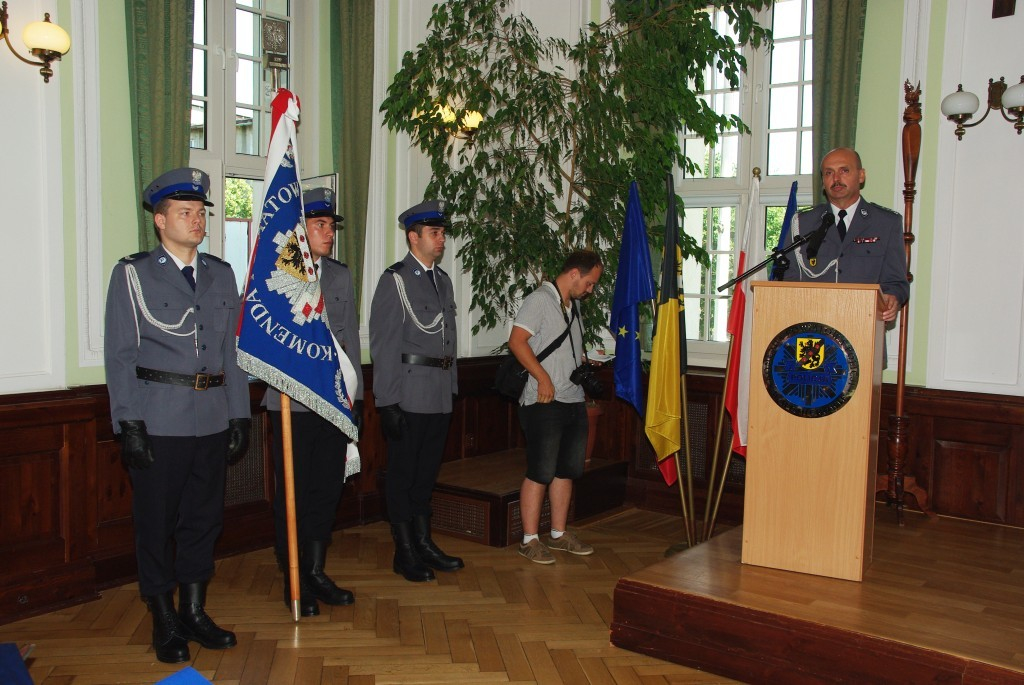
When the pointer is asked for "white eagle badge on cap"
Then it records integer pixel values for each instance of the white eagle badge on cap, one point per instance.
(197, 177)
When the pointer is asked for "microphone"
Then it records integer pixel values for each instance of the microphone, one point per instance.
(818, 235)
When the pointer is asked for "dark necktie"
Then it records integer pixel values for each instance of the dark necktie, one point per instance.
(841, 226)
(187, 272)
(430, 275)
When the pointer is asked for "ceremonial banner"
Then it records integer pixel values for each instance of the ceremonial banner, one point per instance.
(283, 337)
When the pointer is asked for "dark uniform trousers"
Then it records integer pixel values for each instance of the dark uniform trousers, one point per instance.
(318, 459)
(413, 464)
(179, 499)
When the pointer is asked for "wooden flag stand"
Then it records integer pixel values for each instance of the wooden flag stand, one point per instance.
(810, 482)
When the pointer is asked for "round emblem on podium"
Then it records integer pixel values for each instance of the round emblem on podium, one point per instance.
(810, 370)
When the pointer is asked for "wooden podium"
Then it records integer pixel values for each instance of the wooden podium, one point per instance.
(812, 439)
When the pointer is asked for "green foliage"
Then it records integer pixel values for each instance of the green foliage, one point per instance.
(566, 128)
(237, 199)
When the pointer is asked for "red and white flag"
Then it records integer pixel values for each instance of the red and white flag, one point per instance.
(737, 383)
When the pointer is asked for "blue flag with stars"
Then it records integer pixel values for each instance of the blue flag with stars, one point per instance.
(634, 283)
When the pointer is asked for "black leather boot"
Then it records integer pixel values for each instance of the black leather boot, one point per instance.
(198, 626)
(314, 554)
(407, 563)
(169, 641)
(308, 605)
(429, 553)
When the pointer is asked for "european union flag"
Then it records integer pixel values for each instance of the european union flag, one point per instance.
(634, 283)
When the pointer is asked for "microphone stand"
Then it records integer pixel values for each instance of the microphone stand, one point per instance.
(778, 256)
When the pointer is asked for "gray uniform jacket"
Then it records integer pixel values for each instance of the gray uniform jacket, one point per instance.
(343, 319)
(144, 331)
(873, 251)
(426, 327)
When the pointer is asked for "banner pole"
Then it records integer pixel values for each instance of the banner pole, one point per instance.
(289, 502)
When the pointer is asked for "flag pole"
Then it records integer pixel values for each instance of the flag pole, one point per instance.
(289, 502)
(709, 518)
(691, 529)
(682, 503)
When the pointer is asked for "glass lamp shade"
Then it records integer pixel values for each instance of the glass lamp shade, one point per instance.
(471, 120)
(44, 35)
(959, 103)
(445, 113)
(1014, 96)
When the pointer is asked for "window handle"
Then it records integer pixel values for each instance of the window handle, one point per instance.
(223, 58)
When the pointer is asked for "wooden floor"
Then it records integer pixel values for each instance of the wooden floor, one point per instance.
(942, 602)
(501, 619)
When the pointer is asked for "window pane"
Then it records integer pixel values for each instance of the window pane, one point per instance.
(246, 132)
(806, 152)
(782, 107)
(786, 20)
(198, 72)
(246, 3)
(277, 6)
(246, 84)
(809, 20)
(245, 32)
(786, 62)
(197, 128)
(728, 156)
(719, 320)
(694, 221)
(727, 103)
(694, 316)
(199, 25)
(808, 60)
(697, 151)
(722, 224)
(782, 153)
(806, 118)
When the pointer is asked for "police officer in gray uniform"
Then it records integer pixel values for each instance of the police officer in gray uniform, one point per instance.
(318, 446)
(864, 246)
(180, 405)
(412, 342)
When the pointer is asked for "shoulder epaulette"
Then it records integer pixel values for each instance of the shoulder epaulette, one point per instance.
(335, 261)
(206, 255)
(440, 270)
(884, 209)
(397, 266)
(134, 257)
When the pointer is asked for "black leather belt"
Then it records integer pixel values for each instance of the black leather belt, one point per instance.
(420, 360)
(199, 381)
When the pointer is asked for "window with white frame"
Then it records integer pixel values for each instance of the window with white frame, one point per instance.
(230, 115)
(774, 98)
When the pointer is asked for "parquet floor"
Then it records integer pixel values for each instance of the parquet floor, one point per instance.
(501, 619)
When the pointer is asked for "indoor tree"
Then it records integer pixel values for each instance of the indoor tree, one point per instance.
(566, 127)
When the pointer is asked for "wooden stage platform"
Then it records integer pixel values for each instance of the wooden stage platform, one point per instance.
(942, 602)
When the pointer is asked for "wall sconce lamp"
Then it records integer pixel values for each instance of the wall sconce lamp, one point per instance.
(960, 106)
(467, 127)
(44, 39)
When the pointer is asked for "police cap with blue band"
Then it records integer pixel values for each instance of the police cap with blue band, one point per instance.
(319, 202)
(428, 213)
(186, 183)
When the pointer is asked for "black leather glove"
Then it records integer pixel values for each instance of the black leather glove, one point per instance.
(357, 415)
(135, 451)
(238, 439)
(392, 421)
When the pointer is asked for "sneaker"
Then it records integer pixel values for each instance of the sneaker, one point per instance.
(536, 552)
(571, 544)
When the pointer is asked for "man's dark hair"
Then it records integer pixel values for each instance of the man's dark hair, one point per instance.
(584, 260)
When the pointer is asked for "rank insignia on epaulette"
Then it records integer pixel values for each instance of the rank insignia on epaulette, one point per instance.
(813, 261)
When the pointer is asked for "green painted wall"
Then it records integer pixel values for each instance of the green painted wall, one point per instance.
(879, 126)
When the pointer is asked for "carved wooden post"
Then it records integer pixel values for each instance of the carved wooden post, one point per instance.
(898, 483)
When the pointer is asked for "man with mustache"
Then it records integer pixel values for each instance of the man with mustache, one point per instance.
(865, 244)
(180, 405)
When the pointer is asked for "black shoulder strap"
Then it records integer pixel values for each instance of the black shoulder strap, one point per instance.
(559, 340)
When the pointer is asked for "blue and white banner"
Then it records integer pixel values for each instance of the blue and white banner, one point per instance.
(283, 338)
